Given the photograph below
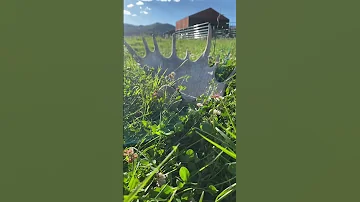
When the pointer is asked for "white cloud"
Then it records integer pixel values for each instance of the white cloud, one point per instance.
(146, 0)
(127, 12)
(134, 15)
(140, 7)
(147, 8)
(163, 0)
(130, 5)
(139, 3)
(144, 12)
(176, 0)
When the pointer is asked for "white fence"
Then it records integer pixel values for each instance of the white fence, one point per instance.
(200, 31)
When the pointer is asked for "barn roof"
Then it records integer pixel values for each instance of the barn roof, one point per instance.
(206, 12)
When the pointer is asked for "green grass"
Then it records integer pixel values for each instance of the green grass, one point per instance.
(188, 143)
(194, 46)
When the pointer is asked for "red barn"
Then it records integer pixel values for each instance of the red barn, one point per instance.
(207, 15)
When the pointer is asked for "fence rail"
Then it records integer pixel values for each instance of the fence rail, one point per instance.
(200, 31)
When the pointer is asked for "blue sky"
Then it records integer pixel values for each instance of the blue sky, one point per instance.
(145, 12)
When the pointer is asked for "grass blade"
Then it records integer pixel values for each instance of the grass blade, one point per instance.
(225, 192)
(226, 138)
(226, 151)
(227, 131)
(201, 197)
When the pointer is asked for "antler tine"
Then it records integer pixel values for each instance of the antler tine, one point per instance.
(156, 47)
(208, 42)
(131, 51)
(187, 56)
(147, 50)
(173, 48)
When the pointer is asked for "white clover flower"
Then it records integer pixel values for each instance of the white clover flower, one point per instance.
(217, 97)
(216, 112)
(160, 179)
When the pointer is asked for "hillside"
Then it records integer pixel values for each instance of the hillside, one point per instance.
(157, 28)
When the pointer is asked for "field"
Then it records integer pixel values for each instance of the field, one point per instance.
(175, 151)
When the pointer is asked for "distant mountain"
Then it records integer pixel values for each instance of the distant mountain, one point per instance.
(156, 29)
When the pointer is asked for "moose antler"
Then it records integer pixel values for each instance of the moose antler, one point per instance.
(199, 70)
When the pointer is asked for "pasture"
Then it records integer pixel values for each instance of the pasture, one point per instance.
(175, 151)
